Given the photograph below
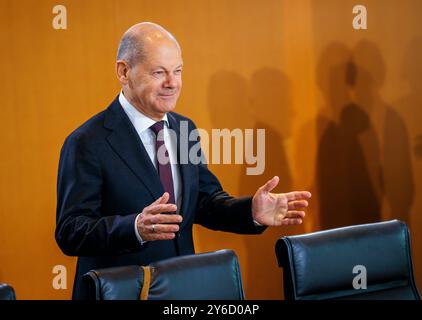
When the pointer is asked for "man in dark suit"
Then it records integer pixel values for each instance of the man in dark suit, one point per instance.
(124, 196)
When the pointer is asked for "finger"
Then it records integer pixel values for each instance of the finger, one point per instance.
(163, 199)
(298, 195)
(160, 236)
(295, 214)
(163, 236)
(163, 218)
(297, 204)
(271, 184)
(159, 208)
(152, 231)
(166, 228)
(291, 222)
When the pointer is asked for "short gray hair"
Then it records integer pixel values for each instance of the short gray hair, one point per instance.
(131, 49)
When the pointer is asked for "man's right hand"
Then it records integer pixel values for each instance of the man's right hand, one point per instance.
(153, 225)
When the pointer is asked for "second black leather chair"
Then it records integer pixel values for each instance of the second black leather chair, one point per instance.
(371, 261)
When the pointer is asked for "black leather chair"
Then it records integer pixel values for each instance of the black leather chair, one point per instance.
(321, 265)
(205, 276)
(7, 292)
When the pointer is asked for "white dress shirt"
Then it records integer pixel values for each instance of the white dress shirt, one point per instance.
(142, 123)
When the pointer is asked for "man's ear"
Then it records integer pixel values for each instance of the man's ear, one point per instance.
(122, 70)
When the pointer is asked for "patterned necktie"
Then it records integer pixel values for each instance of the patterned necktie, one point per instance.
(164, 169)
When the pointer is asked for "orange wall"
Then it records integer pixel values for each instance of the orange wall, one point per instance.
(328, 96)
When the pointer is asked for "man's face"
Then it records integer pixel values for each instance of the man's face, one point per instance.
(155, 83)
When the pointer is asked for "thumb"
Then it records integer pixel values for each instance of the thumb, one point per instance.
(271, 184)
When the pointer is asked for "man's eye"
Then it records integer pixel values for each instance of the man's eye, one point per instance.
(178, 71)
(158, 73)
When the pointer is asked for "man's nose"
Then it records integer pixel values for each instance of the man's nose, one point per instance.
(171, 81)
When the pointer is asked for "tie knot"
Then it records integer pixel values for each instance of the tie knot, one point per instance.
(157, 127)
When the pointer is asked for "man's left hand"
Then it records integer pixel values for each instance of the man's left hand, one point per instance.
(278, 209)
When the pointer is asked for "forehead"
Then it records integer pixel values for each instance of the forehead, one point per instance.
(166, 55)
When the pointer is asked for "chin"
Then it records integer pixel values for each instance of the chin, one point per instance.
(167, 107)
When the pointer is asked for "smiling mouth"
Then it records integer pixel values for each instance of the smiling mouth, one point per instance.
(166, 96)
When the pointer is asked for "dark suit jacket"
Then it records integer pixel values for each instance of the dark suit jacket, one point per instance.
(106, 178)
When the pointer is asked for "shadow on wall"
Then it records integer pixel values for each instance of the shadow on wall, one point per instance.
(410, 107)
(397, 172)
(271, 109)
(261, 103)
(226, 100)
(363, 153)
(363, 158)
(346, 193)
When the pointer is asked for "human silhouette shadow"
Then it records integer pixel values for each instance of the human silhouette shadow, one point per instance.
(330, 71)
(410, 106)
(227, 102)
(412, 103)
(347, 195)
(262, 103)
(270, 106)
(396, 180)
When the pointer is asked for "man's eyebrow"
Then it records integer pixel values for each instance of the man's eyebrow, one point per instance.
(161, 67)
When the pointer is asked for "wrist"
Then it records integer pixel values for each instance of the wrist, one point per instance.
(137, 233)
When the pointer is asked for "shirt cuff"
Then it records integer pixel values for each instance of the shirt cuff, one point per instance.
(138, 236)
(257, 224)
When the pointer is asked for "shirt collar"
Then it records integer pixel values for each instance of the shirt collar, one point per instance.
(138, 119)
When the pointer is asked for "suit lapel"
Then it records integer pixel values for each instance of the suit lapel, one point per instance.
(126, 143)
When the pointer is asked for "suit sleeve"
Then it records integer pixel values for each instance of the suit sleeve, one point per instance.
(81, 229)
(217, 210)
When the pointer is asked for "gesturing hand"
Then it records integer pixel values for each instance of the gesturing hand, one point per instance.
(153, 225)
(278, 209)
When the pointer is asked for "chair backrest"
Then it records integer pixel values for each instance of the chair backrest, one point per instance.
(7, 292)
(205, 276)
(340, 263)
